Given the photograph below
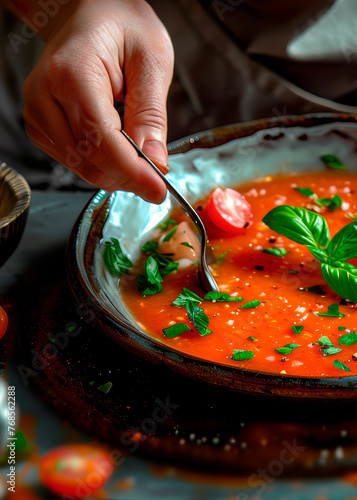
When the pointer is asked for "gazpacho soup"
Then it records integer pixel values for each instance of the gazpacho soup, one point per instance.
(285, 251)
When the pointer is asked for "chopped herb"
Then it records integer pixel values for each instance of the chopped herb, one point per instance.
(277, 251)
(175, 330)
(297, 329)
(305, 191)
(114, 259)
(150, 246)
(284, 350)
(105, 387)
(170, 234)
(348, 339)
(342, 328)
(292, 271)
(187, 244)
(221, 257)
(330, 203)
(199, 318)
(341, 366)
(51, 339)
(169, 268)
(253, 339)
(251, 305)
(91, 383)
(185, 297)
(241, 355)
(333, 162)
(222, 297)
(324, 341)
(331, 350)
(166, 223)
(333, 312)
(293, 346)
(314, 289)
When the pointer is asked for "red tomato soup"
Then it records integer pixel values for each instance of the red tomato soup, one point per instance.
(280, 283)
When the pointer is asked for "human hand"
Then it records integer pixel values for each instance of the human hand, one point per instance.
(97, 51)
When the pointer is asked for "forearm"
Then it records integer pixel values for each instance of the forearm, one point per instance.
(42, 16)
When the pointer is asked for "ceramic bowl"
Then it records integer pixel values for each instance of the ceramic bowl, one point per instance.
(15, 198)
(225, 156)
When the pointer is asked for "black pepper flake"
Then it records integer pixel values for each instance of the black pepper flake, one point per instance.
(246, 225)
(259, 268)
(199, 208)
(283, 359)
(272, 239)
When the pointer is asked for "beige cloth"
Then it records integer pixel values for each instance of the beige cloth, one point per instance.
(237, 68)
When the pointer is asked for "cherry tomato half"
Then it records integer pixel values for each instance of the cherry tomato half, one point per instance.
(229, 210)
(76, 470)
(3, 322)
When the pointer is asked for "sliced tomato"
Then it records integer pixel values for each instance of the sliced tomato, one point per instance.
(76, 470)
(3, 322)
(229, 210)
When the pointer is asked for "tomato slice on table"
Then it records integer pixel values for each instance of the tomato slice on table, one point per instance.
(229, 210)
(3, 322)
(76, 470)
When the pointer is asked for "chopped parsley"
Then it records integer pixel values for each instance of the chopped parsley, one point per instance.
(221, 257)
(341, 366)
(348, 339)
(332, 312)
(297, 329)
(170, 234)
(175, 330)
(187, 244)
(105, 387)
(222, 297)
(252, 339)
(251, 305)
(276, 251)
(241, 355)
(324, 341)
(331, 350)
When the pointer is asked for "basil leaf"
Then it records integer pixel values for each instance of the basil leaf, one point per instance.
(241, 355)
(297, 329)
(170, 234)
(185, 297)
(333, 162)
(187, 244)
(350, 216)
(299, 224)
(222, 297)
(348, 339)
(341, 366)
(332, 311)
(251, 305)
(277, 251)
(305, 191)
(342, 278)
(150, 246)
(253, 339)
(331, 350)
(293, 346)
(319, 254)
(343, 245)
(324, 341)
(341, 328)
(284, 350)
(176, 330)
(114, 259)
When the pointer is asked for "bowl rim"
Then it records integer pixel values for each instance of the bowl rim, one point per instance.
(234, 378)
(21, 190)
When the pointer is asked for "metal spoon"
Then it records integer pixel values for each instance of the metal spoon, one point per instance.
(205, 277)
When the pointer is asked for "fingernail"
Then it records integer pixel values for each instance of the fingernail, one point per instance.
(157, 153)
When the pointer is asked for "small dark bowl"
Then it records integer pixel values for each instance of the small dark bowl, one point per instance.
(15, 198)
(266, 147)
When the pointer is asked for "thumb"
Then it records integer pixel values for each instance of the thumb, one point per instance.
(148, 77)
